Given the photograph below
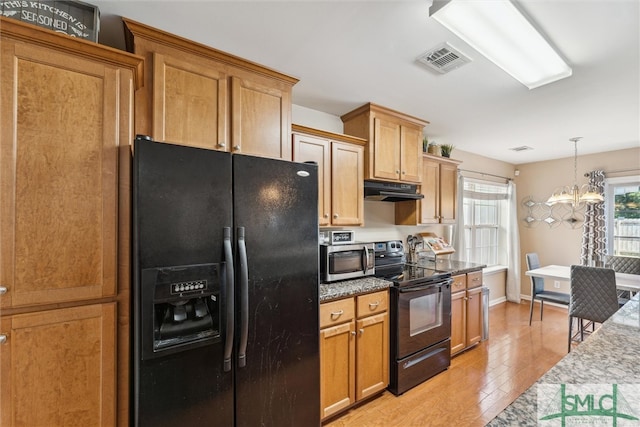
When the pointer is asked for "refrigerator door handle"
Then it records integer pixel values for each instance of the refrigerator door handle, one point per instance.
(228, 258)
(244, 299)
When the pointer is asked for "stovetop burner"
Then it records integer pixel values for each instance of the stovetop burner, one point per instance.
(390, 262)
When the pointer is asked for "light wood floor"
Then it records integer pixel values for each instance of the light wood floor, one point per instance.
(480, 382)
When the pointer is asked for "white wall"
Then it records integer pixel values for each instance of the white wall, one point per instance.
(561, 245)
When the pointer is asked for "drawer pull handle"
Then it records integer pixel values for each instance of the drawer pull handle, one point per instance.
(3, 339)
(374, 305)
(336, 314)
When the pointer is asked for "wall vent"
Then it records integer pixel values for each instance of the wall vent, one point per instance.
(521, 148)
(443, 58)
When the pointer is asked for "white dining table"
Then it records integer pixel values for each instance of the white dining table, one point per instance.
(624, 281)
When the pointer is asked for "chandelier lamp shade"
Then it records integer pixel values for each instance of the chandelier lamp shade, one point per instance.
(574, 195)
(498, 30)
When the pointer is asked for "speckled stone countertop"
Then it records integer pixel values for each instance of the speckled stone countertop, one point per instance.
(451, 266)
(349, 288)
(611, 355)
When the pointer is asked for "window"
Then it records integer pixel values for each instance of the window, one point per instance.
(622, 211)
(485, 212)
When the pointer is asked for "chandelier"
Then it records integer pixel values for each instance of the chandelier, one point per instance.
(574, 195)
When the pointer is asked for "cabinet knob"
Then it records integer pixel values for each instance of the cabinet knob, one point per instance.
(236, 147)
(361, 331)
(3, 339)
(404, 173)
(335, 216)
(3, 290)
(326, 215)
(397, 171)
(353, 333)
(221, 144)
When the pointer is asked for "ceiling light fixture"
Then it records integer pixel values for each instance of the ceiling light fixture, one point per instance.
(575, 195)
(501, 33)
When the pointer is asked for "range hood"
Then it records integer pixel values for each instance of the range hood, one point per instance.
(390, 191)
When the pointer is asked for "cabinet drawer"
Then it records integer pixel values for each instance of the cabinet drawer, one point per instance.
(474, 279)
(336, 312)
(372, 303)
(459, 283)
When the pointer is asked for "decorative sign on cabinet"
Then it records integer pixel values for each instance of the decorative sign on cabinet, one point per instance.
(394, 148)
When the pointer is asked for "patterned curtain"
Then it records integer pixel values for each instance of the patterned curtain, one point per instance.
(593, 232)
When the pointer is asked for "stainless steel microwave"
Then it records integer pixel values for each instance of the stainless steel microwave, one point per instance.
(346, 261)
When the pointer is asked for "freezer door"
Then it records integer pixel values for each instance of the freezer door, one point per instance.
(182, 204)
(277, 360)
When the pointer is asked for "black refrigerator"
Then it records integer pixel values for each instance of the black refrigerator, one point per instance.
(225, 328)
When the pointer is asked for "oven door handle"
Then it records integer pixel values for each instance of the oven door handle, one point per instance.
(438, 285)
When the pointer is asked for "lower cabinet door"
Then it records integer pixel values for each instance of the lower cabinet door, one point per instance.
(458, 322)
(372, 355)
(337, 368)
(58, 367)
(474, 316)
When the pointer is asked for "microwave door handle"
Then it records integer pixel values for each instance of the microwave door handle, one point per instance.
(365, 259)
(228, 258)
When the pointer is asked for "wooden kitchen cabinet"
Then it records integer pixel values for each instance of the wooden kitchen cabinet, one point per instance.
(372, 344)
(354, 350)
(440, 189)
(58, 367)
(67, 126)
(199, 96)
(466, 311)
(337, 356)
(340, 160)
(394, 148)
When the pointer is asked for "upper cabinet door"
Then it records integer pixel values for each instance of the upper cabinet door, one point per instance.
(411, 154)
(312, 149)
(189, 102)
(261, 119)
(347, 185)
(62, 114)
(386, 149)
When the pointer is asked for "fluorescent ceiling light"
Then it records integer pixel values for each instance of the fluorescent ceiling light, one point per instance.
(497, 30)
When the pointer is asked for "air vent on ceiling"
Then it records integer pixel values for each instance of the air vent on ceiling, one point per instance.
(443, 58)
(521, 148)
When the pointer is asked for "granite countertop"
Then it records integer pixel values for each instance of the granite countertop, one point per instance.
(349, 288)
(451, 266)
(611, 355)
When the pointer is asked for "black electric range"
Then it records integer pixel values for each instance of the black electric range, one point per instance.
(391, 264)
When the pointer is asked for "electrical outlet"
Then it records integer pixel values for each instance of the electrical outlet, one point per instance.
(556, 284)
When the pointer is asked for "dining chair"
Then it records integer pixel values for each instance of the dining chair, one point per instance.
(537, 288)
(593, 297)
(623, 264)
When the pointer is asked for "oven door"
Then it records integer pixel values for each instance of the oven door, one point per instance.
(423, 316)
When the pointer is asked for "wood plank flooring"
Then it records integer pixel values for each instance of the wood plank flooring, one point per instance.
(480, 382)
